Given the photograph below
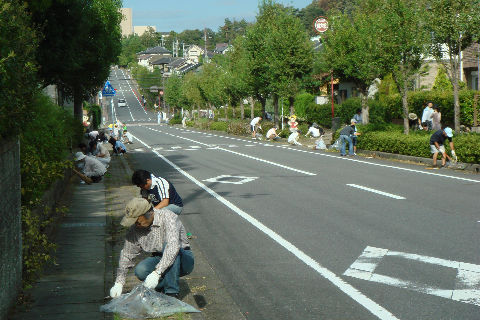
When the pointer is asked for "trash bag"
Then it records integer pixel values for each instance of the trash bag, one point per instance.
(320, 144)
(144, 303)
(336, 145)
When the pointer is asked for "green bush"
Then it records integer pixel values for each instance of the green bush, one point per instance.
(219, 126)
(238, 127)
(320, 113)
(95, 112)
(45, 142)
(302, 101)
(177, 119)
(467, 146)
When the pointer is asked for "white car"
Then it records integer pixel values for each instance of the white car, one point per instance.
(122, 103)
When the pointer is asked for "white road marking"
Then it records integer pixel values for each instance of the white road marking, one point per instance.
(240, 179)
(467, 281)
(239, 154)
(376, 309)
(394, 196)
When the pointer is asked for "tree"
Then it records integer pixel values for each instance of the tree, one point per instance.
(351, 52)
(18, 81)
(191, 90)
(400, 27)
(442, 83)
(81, 39)
(308, 14)
(131, 45)
(454, 24)
(291, 57)
(173, 91)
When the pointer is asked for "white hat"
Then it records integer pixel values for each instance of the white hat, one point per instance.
(79, 156)
(449, 132)
(134, 209)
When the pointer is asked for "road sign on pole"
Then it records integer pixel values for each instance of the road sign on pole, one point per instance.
(320, 24)
(108, 90)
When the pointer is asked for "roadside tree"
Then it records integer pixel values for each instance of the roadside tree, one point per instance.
(351, 52)
(81, 39)
(404, 38)
(455, 25)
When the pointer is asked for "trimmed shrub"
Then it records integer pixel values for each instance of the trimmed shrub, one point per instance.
(238, 127)
(95, 112)
(302, 101)
(467, 146)
(219, 126)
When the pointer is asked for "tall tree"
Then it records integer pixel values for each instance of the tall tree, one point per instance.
(454, 24)
(351, 52)
(81, 39)
(308, 14)
(404, 38)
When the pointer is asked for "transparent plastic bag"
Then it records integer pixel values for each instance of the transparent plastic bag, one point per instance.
(320, 144)
(336, 145)
(144, 303)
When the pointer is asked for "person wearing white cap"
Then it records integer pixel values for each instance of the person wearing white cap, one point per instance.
(92, 168)
(436, 145)
(161, 233)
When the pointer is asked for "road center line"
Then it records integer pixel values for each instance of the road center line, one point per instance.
(240, 154)
(376, 191)
(345, 287)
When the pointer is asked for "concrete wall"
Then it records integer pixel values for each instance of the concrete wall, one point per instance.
(10, 225)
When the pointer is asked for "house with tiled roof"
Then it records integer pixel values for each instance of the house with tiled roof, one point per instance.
(221, 48)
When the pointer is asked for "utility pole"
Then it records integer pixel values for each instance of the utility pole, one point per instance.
(205, 35)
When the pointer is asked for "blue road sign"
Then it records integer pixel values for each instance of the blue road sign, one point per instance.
(108, 90)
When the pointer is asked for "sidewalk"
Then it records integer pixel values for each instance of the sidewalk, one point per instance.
(75, 285)
(89, 240)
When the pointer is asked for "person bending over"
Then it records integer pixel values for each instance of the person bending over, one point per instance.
(159, 191)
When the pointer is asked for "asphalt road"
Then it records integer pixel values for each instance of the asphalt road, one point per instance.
(301, 234)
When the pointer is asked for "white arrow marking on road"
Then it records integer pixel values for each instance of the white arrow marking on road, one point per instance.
(394, 196)
(376, 309)
(240, 179)
(467, 281)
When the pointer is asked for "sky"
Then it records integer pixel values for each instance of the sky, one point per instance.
(179, 15)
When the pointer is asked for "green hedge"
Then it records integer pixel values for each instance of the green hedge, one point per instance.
(467, 146)
(96, 113)
(387, 108)
(45, 142)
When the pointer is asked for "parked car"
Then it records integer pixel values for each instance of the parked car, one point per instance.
(122, 103)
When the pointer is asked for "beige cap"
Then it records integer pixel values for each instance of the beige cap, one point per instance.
(134, 209)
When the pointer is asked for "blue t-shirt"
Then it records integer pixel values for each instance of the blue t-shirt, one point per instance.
(163, 189)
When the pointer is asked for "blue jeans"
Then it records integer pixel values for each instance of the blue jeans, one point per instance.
(182, 266)
(174, 208)
(344, 139)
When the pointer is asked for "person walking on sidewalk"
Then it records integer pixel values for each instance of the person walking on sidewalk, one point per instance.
(159, 191)
(161, 233)
(436, 145)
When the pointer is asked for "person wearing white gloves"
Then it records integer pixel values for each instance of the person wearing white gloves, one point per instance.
(162, 234)
(436, 145)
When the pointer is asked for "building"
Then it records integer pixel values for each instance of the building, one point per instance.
(193, 53)
(221, 48)
(140, 30)
(127, 22)
(471, 65)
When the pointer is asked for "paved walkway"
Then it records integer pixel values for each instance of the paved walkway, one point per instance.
(75, 285)
(89, 240)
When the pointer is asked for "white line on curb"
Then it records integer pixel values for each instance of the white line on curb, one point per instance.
(345, 287)
(394, 196)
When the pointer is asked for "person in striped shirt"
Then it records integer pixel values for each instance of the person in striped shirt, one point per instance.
(159, 191)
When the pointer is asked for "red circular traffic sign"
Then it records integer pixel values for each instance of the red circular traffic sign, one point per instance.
(321, 24)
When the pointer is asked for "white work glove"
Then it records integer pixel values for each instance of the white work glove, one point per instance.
(453, 153)
(116, 290)
(152, 280)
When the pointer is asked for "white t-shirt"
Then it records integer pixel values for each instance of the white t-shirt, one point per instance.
(314, 131)
(93, 167)
(93, 134)
(255, 121)
(427, 114)
(271, 132)
(101, 150)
